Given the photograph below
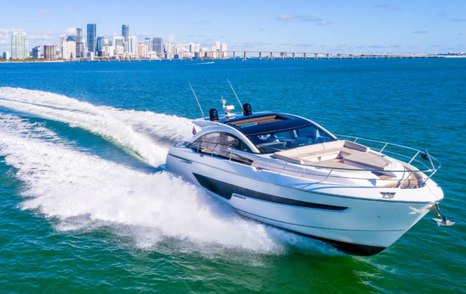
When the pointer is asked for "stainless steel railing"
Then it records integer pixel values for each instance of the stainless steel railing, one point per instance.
(429, 164)
(419, 166)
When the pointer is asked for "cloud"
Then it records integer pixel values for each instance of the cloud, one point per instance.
(203, 22)
(249, 46)
(298, 45)
(207, 41)
(420, 32)
(287, 17)
(196, 36)
(304, 18)
(342, 45)
(372, 48)
(5, 37)
(42, 12)
(441, 14)
(4, 32)
(41, 38)
(380, 46)
(70, 31)
(458, 19)
(387, 6)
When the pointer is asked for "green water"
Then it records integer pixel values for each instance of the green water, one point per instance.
(79, 213)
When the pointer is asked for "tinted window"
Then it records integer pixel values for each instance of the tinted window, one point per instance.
(215, 142)
(291, 138)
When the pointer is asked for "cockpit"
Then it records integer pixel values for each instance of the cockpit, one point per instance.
(276, 132)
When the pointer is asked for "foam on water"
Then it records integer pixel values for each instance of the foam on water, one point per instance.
(86, 192)
(83, 191)
(146, 133)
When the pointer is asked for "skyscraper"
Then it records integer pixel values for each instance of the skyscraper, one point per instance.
(36, 52)
(19, 46)
(91, 37)
(132, 44)
(49, 52)
(150, 45)
(6, 55)
(68, 48)
(79, 43)
(157, 46)
(118, 45)
(102, 42)
(125, 32)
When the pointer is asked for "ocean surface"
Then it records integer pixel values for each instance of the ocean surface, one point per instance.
(85, 206)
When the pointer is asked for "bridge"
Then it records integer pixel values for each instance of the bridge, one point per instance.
(315, 55)
(263, 55)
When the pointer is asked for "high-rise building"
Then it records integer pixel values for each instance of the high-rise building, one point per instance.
(125, 32)
(19, 46)
(194, 47)
(91, 38)
(224, 49)
(99, 43)
(6, 55)
(132, 45)
(79, 43)
(142, 50)
(219, 50)
(70, 38)
(169, 50)
(68, 48)
(102, 43)
(118, 45)
(157, 46)
(36, 52)
(79, 35)
(49, 52)
(148, 42)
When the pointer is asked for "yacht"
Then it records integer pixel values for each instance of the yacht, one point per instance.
(356, 194)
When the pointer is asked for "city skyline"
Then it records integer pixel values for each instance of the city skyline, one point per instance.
(312, 26)
(74, 47)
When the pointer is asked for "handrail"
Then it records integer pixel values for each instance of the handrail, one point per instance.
(422, 172)
(426, 172)
(434, 163)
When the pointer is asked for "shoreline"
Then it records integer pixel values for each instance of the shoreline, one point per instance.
(238, 58)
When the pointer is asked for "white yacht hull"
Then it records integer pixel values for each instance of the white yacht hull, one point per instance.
(355, 218)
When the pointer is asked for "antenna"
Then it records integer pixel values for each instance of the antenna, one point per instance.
(197, 100)
(234, 92)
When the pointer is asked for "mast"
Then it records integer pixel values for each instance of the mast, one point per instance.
(234, 92)
(197, 100)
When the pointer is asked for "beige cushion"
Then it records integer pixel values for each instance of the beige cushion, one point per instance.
(335, 154)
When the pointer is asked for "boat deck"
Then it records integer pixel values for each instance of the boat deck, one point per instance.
(337, 154)
(348, 156)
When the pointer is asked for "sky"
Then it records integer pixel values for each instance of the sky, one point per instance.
(323, 26)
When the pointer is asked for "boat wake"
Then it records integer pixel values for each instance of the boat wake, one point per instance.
(85, 192)
(145, 133)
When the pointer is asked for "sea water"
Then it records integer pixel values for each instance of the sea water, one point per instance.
(86, 206)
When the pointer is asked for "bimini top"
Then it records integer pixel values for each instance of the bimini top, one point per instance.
(271, 132)
(266, 122)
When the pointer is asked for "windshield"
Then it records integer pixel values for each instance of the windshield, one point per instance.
(268, 142)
